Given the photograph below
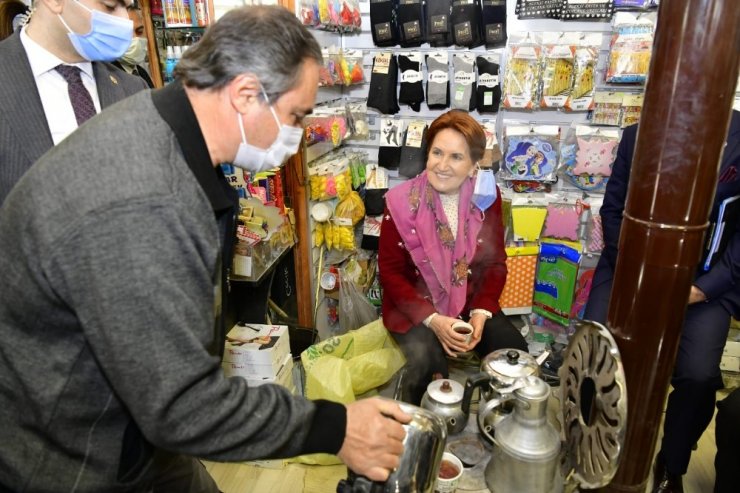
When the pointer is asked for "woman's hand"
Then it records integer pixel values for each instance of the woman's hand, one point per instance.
(478, 320)
(451, 341)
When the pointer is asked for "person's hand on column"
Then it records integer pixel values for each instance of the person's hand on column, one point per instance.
(696, 295)
(451, 341)
(373, 442)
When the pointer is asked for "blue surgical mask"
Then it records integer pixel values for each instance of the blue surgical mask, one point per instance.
(108, 39)
(254, 159)
(485, 192)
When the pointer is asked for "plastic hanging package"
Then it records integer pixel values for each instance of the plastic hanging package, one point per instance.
(531, 152)
(463, 90)
(631, 48)
(352, 208)
(596, 149)
(356, 113)
(383, 82)
(438, 80)
(410, 23)
(557, 271)
(492, 155)
(584, 73)
(488, 91)
(376, 186)
(631, 109)
(528, 219)
(351, 67)
(438, 22)
(537, 9)
(412, 85)
(383, 24)
(493, 13)
(562, 221)
(391, 140)
(587, 10)
(465, 20)
(558, 62)
(330, 180)
(413, 158)
(607, 108)
(522, 75)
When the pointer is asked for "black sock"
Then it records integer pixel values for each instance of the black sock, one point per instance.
(410, 23)
(494, 23)
(466, 23)
(382, 92)
(488, 91)
(412, 85)
(413, 152)
(383, 23)
(438, 22)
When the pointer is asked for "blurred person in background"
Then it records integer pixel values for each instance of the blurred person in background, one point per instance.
(441, 257)
(55, 77)
(133, 60)
(12, 15)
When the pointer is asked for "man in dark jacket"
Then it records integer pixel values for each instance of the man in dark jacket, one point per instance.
(714, 298)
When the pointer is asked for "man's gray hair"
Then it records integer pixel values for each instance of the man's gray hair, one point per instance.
(267, 41)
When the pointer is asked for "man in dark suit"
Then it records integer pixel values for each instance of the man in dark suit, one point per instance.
(38, 111)
(713, 299)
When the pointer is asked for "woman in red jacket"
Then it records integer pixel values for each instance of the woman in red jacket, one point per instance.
(442, 257)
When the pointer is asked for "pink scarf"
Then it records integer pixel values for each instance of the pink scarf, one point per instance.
(442, 261)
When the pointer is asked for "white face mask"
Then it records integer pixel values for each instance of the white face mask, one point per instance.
(254, 159)
(136, 52)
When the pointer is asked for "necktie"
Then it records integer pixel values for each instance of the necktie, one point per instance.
(82, 102)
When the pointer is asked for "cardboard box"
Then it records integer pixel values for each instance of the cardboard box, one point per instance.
(283, 377)
(730, 363)
(258, 345)
(732, 348)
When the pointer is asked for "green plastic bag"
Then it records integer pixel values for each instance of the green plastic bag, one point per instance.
(341, 368)
(557, 271)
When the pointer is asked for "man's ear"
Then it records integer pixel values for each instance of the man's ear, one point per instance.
(54, 6)
(244, 92)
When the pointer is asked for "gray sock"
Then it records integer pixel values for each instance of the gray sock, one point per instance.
(463, 87)
(438, 80)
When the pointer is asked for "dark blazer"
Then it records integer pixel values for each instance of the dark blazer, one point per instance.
(24, 132)
(138, 71)
(720, 281)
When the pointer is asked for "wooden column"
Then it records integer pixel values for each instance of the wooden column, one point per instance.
(684, 122)
(154, 67)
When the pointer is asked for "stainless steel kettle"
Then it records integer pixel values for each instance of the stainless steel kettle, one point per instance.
(448, 399)
(526, 452)
(417, 471)
(504, 367)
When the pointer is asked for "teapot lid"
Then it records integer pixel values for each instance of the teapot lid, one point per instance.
(510, 364)
(445, 391)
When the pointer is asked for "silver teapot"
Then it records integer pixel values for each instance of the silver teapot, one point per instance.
(504, 368)
(448, 399)
(526, 452)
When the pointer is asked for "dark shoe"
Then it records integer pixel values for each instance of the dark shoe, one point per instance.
(665, 482)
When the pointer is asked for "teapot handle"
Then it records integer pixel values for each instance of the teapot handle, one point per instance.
(477, 380)
(482, 413)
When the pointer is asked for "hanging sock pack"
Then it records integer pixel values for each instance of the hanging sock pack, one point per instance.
(412, 85)
(438, 22)
(383, 80)
(438, 80)
(466, 23)
(383, 23)
(494, 23)
(463, 65)
(412, 153)
(488, 92)
(410, 23)
(391, 139)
